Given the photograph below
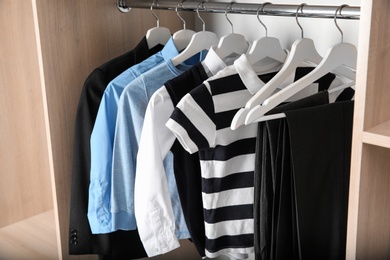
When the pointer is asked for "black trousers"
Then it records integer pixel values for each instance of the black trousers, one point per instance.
(282, 156)
(320, 139)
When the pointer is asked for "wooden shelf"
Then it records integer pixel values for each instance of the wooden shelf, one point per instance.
(378, 135)
(32, 238)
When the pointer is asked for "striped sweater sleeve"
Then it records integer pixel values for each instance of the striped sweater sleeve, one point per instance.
(193, 120)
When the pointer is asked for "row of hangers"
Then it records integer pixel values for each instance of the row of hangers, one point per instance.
(191, 43)
(339, 59)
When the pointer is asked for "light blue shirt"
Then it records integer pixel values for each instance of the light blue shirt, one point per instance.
(131, 113)
(102, 138)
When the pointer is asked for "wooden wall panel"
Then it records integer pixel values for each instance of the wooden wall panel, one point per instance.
(25, 188)
(378, 91)
(77, 36)
(373, 235)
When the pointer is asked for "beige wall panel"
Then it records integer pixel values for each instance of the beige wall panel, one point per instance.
(33, 239)
(378, 89)
(373, 235)
(368, 223)
(25, 188)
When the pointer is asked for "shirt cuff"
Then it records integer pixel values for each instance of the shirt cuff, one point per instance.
(156, 238)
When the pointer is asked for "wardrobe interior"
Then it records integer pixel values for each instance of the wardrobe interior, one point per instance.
(49, 47)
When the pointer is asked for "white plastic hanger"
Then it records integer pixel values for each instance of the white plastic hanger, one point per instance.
(200, 41)
(301, 50)
(232, 43)
(342, 54)
(182, 37)
(157, 35)
(266, 47)
(283, 115)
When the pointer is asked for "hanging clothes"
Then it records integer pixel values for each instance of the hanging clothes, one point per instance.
(155, 142)
(201, 123)
(81, 239)
(270, 152)
(316, 158)
(321, 181)
(165, 164)
(265, 173)
(130, 118)
(102, 217)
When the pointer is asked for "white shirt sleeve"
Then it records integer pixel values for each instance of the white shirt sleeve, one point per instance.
(153, 208)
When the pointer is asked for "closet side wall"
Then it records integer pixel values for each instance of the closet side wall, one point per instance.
(25, 188)
(369, 225)
(76, 37)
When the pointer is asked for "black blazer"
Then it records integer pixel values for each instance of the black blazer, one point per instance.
(120, 244)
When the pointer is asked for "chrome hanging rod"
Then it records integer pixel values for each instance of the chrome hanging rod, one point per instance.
(313, 11)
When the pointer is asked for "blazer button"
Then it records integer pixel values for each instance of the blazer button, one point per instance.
(73, 238)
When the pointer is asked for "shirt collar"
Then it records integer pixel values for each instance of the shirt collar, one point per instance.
(212, 62)
(250, 77)
(169, 51)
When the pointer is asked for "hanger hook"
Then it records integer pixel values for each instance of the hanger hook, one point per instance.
(335, 20)
(181, 18)
(258, 18)
(296, 17)
(226, 16)
(200, 18)
(155, 16)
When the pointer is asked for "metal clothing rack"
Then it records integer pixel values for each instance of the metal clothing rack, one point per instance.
(312, 11)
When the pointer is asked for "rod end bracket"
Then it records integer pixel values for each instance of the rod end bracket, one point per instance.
(121, 5)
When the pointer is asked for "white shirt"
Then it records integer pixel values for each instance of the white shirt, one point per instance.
(153, 208)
